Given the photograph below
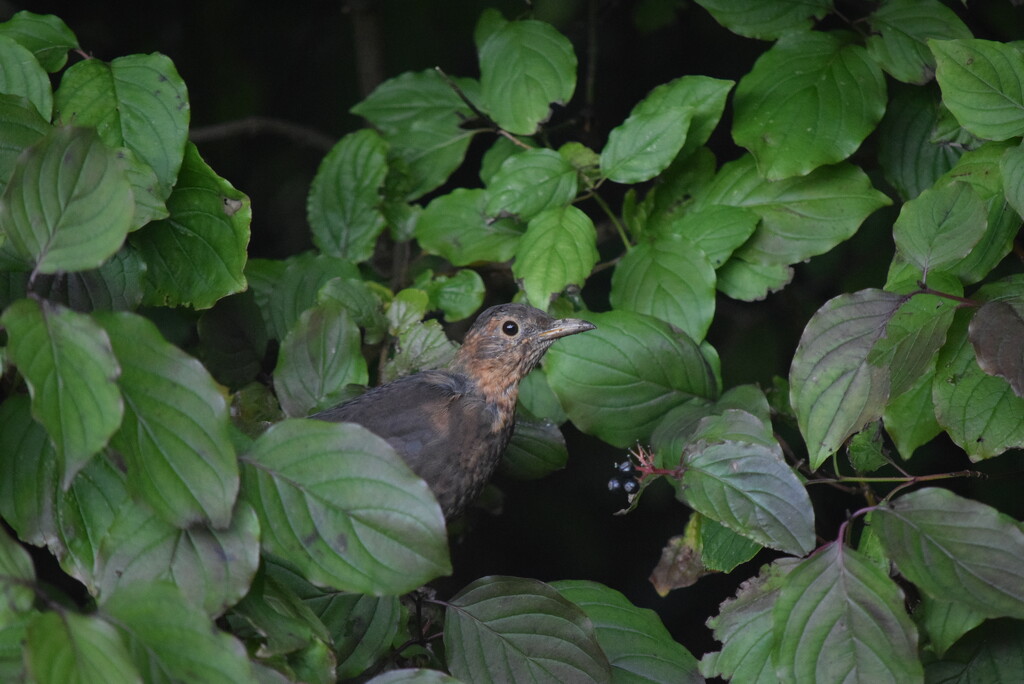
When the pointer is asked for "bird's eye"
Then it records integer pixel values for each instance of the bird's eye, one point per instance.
(509, 328)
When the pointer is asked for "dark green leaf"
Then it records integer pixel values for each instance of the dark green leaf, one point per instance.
(744, 627)
(23, 76)
(721, 548)
(213, 568)
(839, 617)
(1011, 164)
(750, 280)
(866, 449)
(765, 20)
(338, 502)
(457, 227)
(670, 279)
(748, 488)
(233, 340)
(45, 35)
(940, 226)
(524, 67)
(68, 647)
(506, 629)
(557, 250)
(800, 217)
(196, 255)
(343, 207)
(537, 397)
(901, 31)
(28, 474)
(911, 159)
(23, 127)
(956, 549)
(413, 677)
(991, 653)
(17, 574)
(68, 205)
(173, 640)
(114, 286)
(138, 101)
(362, 627)
(319, 357)
(982, 84)
(635, 641)
(71, 372)
(834, 389)
(944, 622)
(530, 182)
(364, 304)
(618, 381)
(910, 418)
(537, 449)
(810, 100)
(716, 229)
(174, 436)
(981, 412)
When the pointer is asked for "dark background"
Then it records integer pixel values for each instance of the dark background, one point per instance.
(302, 65)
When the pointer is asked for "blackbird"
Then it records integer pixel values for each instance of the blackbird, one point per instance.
(452, 426)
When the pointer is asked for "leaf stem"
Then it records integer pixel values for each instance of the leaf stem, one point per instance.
(905, 480)
(924, 289)
(613, 218)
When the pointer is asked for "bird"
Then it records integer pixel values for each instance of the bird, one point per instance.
(452, 425)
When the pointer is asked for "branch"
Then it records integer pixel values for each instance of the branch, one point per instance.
(264, 125)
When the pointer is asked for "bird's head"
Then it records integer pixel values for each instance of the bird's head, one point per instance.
(507, 341)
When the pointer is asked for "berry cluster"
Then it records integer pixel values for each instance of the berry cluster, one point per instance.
(625, 478)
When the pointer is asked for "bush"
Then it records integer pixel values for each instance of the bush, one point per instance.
(221, 536)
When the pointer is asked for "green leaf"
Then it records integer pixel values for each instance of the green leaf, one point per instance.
(458, 227)
(530, 182)
(24, 76)
(213, 568)
(68, 205)
(838, 618)
(866, 449)
(537, 449)
(114, 286)
(421, 346)
(68, 647)
(810, 100)
(749, 279)
(557, 250)
(945, 621)
(645, 144)
(618, 381)
(721, 548)
(834, 389)
(338, 502)
(537, 397)
(149, 198)
(982, 84)
(284, 289)
(458, 296)
(901, 29)
(749, 488)
(45, 35)
(504, 629)
(955, 549)
(420, 116)
(980, 412)
(800, 217)
(137, 101)
(744, 627)
(170, 636)
(84, 515)
(911, 158)
(28, 474)
(991, 653)
(174, 436)
(17, 575)
(233, 340)
(319, 357)
(363, 302)
(910, 417)
(765, 20)
(343, 206)
(196, 255)
(362, 627)
(22, 127)
(940, 226)
(69, 366)
(524, 67)
(716, 229)
(670, 279)
(635, 641)
(1011, 165)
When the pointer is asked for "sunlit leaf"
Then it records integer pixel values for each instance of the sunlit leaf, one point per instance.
(557, 250)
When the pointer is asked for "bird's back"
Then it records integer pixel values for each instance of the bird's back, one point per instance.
(440, 425)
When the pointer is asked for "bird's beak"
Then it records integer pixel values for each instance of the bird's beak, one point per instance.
(566, 326)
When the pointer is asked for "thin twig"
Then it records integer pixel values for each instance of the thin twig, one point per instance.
(614, 219)
(264, 125)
